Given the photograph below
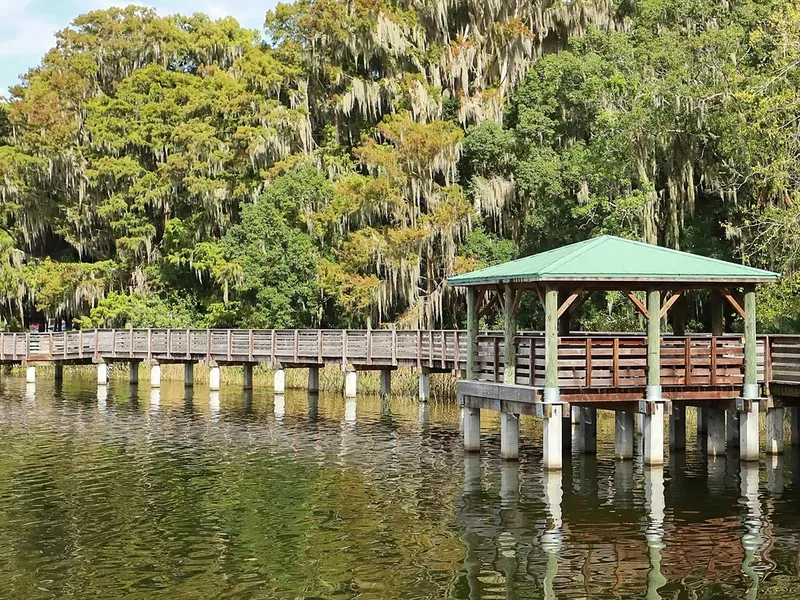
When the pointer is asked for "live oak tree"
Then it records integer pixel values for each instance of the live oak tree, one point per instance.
(171, 165)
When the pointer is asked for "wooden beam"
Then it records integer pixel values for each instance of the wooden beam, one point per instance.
(579, 302)
(734, 302)
(488, 306)
(637, 303)
(564, 307)
(517, 300)
(539, 293)
(670, 301)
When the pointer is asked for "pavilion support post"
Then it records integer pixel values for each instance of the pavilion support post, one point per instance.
(653, 405)
(313, 379)
(677, 428)
(552, 429)
(59, 372)
(775, 437)
(279, 381)
(551, 391)
(748, 416)
(510, 357)
(588, 429)
(509, 422)
(715, 444)
(717, 313)
(472, 330)
(623, 435)
(471, 417)
(30, 374)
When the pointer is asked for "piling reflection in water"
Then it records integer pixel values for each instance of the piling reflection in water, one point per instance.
(297, 495)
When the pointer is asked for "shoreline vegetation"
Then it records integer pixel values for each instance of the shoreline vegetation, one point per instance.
(168, 170)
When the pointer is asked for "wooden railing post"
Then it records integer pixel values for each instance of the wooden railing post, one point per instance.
(113, 342)
(369, 346)
(230, 341)
(588, 362)
(687, 359)
(319, 346)
(419, 348)
(615, 363)
(344, 348)
(457, 351)
(251, 345)
(496, 358)
(713, 374)
(296, 345)
(768, 360)
(394, 347)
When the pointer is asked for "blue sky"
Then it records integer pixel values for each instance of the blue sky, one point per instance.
(27, 26)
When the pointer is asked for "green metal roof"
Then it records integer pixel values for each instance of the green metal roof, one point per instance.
(611, 259)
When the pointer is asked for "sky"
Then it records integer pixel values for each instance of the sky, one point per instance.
(27, 27)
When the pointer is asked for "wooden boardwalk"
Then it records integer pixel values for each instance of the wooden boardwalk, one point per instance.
(590, 366)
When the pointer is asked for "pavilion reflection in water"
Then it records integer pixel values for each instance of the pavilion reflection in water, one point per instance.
(623, 529)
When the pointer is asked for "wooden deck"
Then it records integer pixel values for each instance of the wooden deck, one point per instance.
(590, 366)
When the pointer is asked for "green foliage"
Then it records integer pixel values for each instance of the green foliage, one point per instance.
(275, 261)
(339, 175)
(142, 310)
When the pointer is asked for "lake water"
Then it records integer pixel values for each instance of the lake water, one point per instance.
(167, 495)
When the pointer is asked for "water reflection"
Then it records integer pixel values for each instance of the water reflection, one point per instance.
(259, 496)
(350, 411)
(214, 405)
(279, 407)
(102, 398)
(752, 538)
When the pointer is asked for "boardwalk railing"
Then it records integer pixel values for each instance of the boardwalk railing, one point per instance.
(585, 360)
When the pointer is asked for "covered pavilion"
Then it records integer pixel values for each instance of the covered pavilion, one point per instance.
(563, 279)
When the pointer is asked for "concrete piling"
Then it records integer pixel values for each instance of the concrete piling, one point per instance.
(623, 435)
(155, 375)
(279, 381)
(509, 436)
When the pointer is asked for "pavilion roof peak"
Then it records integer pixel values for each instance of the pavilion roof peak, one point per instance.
(611, 259)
